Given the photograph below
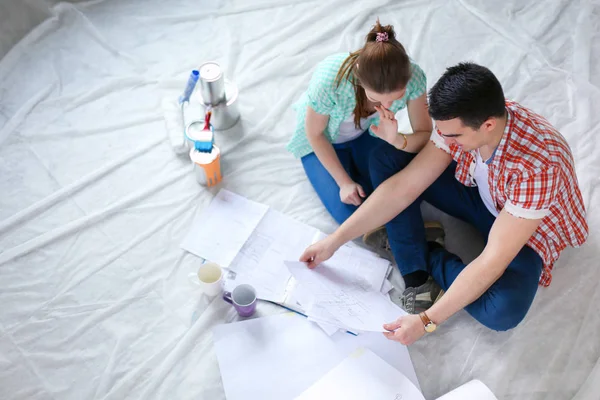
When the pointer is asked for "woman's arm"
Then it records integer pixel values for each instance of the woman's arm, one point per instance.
(350, 192)
(420, 121)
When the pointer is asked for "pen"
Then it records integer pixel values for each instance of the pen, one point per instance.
(299, 313)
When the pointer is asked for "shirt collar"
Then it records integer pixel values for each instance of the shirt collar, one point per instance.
(501, 148)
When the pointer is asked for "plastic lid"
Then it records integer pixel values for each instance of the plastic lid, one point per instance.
(210, 71)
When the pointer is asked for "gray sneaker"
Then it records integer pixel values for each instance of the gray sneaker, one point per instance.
(419, 299)
(378, 238)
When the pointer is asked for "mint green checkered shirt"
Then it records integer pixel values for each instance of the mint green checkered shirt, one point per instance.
(338, 102)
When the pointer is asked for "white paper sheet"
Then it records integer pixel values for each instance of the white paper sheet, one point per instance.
(298, 298)
(356, 260)
(341, 296)
(363, 376)
(260, 261)
(302, 300)
(327, 327)
(220, 231)
(279, 357)
(473, 390)
(361, 262)
(386, 287)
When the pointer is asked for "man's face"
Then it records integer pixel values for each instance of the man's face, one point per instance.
(453, 131)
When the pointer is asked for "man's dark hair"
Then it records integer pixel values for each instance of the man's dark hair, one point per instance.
(467, 91)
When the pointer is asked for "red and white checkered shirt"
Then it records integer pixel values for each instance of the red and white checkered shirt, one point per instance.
(532, 175)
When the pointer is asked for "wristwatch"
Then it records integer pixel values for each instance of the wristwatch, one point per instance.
(428, 324)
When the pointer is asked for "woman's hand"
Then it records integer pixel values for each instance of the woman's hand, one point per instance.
(388, 126)
(352, 193)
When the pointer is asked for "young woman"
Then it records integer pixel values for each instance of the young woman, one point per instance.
(339, 113)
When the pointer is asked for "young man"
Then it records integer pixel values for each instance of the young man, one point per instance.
(492, 163)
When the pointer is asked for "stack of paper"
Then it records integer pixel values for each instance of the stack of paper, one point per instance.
(260, 261)
(343, 298)
(252, 242)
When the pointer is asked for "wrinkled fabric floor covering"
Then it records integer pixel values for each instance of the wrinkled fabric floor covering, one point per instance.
(93, 206)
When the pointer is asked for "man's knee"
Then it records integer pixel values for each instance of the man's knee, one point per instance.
(385, 160)
(501, 313)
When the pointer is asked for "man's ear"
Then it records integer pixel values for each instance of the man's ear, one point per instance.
(489, 124)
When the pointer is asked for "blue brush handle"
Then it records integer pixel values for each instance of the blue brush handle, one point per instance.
(191, 84)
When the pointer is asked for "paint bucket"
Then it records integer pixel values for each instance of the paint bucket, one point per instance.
(207, 166)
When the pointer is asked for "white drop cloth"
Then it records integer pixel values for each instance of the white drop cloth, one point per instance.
(93, 203)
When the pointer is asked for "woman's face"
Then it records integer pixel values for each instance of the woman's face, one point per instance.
(384, 99)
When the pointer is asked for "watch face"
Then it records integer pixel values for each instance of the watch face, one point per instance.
(430, 327)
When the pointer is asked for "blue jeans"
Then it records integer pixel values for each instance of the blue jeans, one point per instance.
(354, 156)
(507, 301)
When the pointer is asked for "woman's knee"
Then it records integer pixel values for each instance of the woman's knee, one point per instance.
(340, 211)
(385, 160)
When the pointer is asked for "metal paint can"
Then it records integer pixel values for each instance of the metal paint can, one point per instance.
(225, 115)
(212, 84)
(207, 166)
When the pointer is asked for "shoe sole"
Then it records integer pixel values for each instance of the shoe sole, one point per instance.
(368, 235)
(436, 228)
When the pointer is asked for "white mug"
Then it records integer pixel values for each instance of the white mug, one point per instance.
(209, 278)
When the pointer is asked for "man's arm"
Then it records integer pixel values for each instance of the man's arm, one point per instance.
(387, 201)
(507, 237)
(395, 194)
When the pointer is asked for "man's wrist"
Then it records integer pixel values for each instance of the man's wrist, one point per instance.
(428, 324)
(337, 238)
(435, 315)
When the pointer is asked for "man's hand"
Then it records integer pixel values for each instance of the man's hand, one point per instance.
(406, 329)
(352, 193)
(388, 126)
(319, 252)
